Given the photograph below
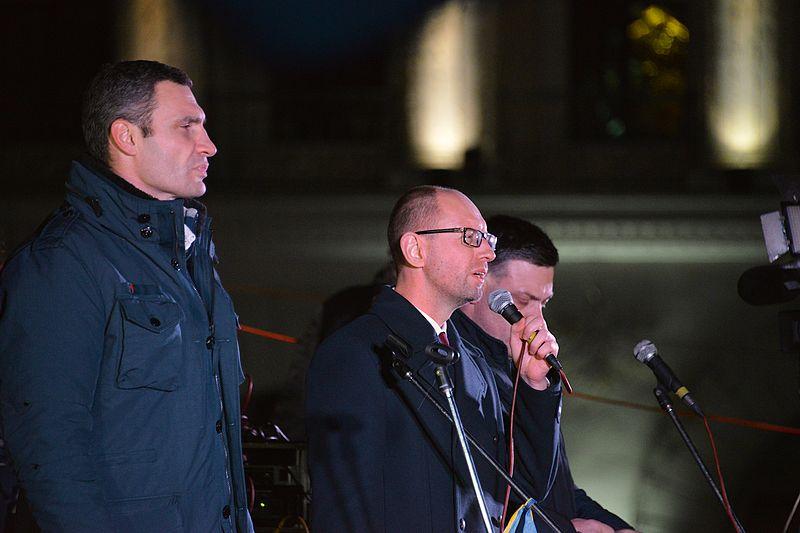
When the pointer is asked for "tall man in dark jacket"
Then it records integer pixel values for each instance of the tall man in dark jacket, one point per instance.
(381, 457)
(525, 266)
(119, 364)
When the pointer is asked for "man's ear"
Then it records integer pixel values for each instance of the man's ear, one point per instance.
(413, 249)
(123, 136)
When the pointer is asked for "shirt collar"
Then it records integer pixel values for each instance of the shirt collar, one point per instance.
(189, 235)
(436, 327)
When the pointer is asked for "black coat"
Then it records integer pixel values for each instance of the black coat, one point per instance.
(562, 499)
(381, 456)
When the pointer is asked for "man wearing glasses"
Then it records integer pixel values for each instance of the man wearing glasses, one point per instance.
(382, 458)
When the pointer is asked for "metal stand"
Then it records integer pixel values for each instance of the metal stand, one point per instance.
(405, 372)
(662, 396)
(446, 386)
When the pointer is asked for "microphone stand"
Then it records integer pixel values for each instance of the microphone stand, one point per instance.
(446, 386)
(405, 372)
(662, 396)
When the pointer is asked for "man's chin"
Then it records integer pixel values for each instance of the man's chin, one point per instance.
(478, 294)
(473, 298)
(196, 191)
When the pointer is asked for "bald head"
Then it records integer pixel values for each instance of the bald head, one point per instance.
(415, 210)
(438, 271)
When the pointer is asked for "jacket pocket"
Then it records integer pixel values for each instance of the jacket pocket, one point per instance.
(151, 343)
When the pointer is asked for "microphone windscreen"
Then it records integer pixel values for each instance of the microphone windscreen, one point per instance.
(644, 351)
(499, 300)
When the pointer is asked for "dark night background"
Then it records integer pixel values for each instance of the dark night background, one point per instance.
(601, 121)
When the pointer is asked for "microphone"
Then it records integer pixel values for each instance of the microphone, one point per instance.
(501, 302)
(646, 352)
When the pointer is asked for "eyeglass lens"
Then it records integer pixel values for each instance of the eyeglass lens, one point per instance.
(473, 237)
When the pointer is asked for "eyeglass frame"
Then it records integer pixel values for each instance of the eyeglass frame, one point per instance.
(463, 230)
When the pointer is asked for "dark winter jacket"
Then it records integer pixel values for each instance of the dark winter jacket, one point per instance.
(119, 367)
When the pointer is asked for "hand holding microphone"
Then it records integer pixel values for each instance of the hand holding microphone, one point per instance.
(532, 331)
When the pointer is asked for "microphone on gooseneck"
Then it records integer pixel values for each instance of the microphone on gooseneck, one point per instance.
(502, 303)
(647, 353)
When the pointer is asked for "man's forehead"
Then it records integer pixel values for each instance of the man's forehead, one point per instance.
(521, 275)
(178, 100)
(457, 209)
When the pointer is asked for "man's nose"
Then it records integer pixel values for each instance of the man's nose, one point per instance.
(205, 146)
(486, 251)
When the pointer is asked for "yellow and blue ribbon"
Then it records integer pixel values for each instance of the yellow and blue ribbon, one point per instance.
(522, 519)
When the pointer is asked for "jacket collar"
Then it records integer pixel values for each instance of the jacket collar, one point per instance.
(104, 172)
(405, 321)
(108, 200)
(489, 346)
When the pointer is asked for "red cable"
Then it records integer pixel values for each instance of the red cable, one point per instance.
(521, 360)
(565, 381)
(719, 474)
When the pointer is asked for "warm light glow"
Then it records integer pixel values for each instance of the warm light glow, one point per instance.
(444, 95)
(149, 26)
(161, 30)
(742, 110)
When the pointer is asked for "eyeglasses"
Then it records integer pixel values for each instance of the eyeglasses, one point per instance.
(470, 236)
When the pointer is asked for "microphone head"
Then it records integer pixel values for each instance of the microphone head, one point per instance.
(644, 351)
(499, 300)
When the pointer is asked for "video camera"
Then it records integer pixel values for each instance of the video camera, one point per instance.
(779, 281)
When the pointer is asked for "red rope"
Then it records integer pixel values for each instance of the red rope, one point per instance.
(269, 335)
(753, 424)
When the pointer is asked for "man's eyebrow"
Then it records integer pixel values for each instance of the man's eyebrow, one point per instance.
(534, 297)
(193, 120)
